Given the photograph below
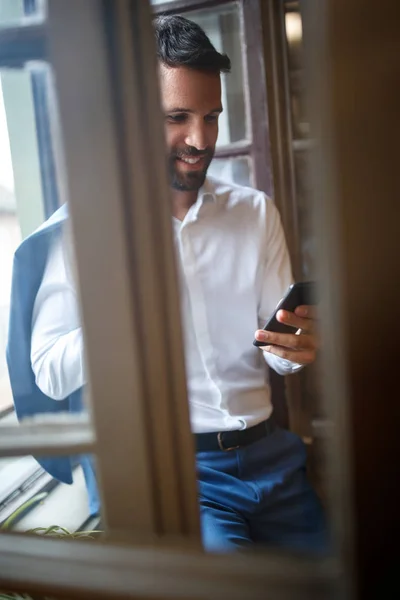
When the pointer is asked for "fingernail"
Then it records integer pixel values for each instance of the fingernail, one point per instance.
(267, 348)
(301, 311)
(262, 335)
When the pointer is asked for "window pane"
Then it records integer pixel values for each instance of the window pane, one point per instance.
(44, 372)
(30, 498)
(10, 238)
(307, 233)
(294, 37)
(28, 195)
(236, 170)
(21, 200)
(222, 25)
(12, 11)
(311, 416)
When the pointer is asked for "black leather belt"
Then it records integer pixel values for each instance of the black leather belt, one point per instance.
(232, 440)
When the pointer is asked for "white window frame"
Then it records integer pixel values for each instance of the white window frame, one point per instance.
(139, 408)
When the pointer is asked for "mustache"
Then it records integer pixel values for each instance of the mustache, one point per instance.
(192, 152)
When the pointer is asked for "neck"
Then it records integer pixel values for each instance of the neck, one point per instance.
(181, 202)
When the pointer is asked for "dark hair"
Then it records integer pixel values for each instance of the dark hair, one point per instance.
(182, 43)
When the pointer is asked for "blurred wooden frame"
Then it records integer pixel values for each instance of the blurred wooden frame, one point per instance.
(105, 75)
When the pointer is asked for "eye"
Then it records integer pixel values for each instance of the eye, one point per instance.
(211, 118)
(179, 118)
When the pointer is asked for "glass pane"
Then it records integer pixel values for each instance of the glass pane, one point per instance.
(235, 170)
(11, 11)
(10, 238)
(307, 234)
(285, 523)
(294, 37)
(310, 409)
(222, 25)
(30, 499)
(43, 372)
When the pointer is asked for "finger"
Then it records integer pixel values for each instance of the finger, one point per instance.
(302, 357)
(285, 340)
(290, 318)
(307, 311)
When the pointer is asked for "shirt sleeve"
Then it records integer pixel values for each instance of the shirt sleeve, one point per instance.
(57, 353)
(277, 277)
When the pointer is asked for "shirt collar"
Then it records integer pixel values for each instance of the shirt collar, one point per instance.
(207, 192)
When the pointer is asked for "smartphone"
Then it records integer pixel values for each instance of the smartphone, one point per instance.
(297, 294)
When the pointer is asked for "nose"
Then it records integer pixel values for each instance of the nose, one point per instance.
(197, 136)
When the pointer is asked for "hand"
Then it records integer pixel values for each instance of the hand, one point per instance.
(300, 347)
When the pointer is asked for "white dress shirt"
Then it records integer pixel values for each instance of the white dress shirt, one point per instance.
(233, 267)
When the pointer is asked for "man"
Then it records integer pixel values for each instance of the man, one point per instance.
(234, 267)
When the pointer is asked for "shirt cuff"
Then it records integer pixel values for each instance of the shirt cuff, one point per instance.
(281, 365)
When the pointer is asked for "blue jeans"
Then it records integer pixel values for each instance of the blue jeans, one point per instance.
(260, 494)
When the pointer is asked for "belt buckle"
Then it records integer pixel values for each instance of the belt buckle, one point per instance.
(221, 445)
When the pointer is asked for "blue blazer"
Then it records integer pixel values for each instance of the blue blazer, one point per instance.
(28, 268)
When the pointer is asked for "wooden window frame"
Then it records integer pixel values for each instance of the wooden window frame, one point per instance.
(166, 558)
(166, 570)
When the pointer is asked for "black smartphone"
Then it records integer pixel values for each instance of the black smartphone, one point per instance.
(304, 292)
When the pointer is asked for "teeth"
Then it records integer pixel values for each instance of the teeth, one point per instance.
(191, 161)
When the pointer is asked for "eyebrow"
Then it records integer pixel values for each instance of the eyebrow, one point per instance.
(219, 109)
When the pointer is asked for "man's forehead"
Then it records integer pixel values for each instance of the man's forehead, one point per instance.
(184, 87)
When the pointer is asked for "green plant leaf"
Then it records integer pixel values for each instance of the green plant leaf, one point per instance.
(14, 516)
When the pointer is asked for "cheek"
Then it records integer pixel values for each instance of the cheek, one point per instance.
(212, 136)
(173, 137)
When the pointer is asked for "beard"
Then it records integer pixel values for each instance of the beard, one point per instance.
(188, 181)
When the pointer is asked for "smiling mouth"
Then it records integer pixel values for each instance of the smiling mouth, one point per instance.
(191, 160)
